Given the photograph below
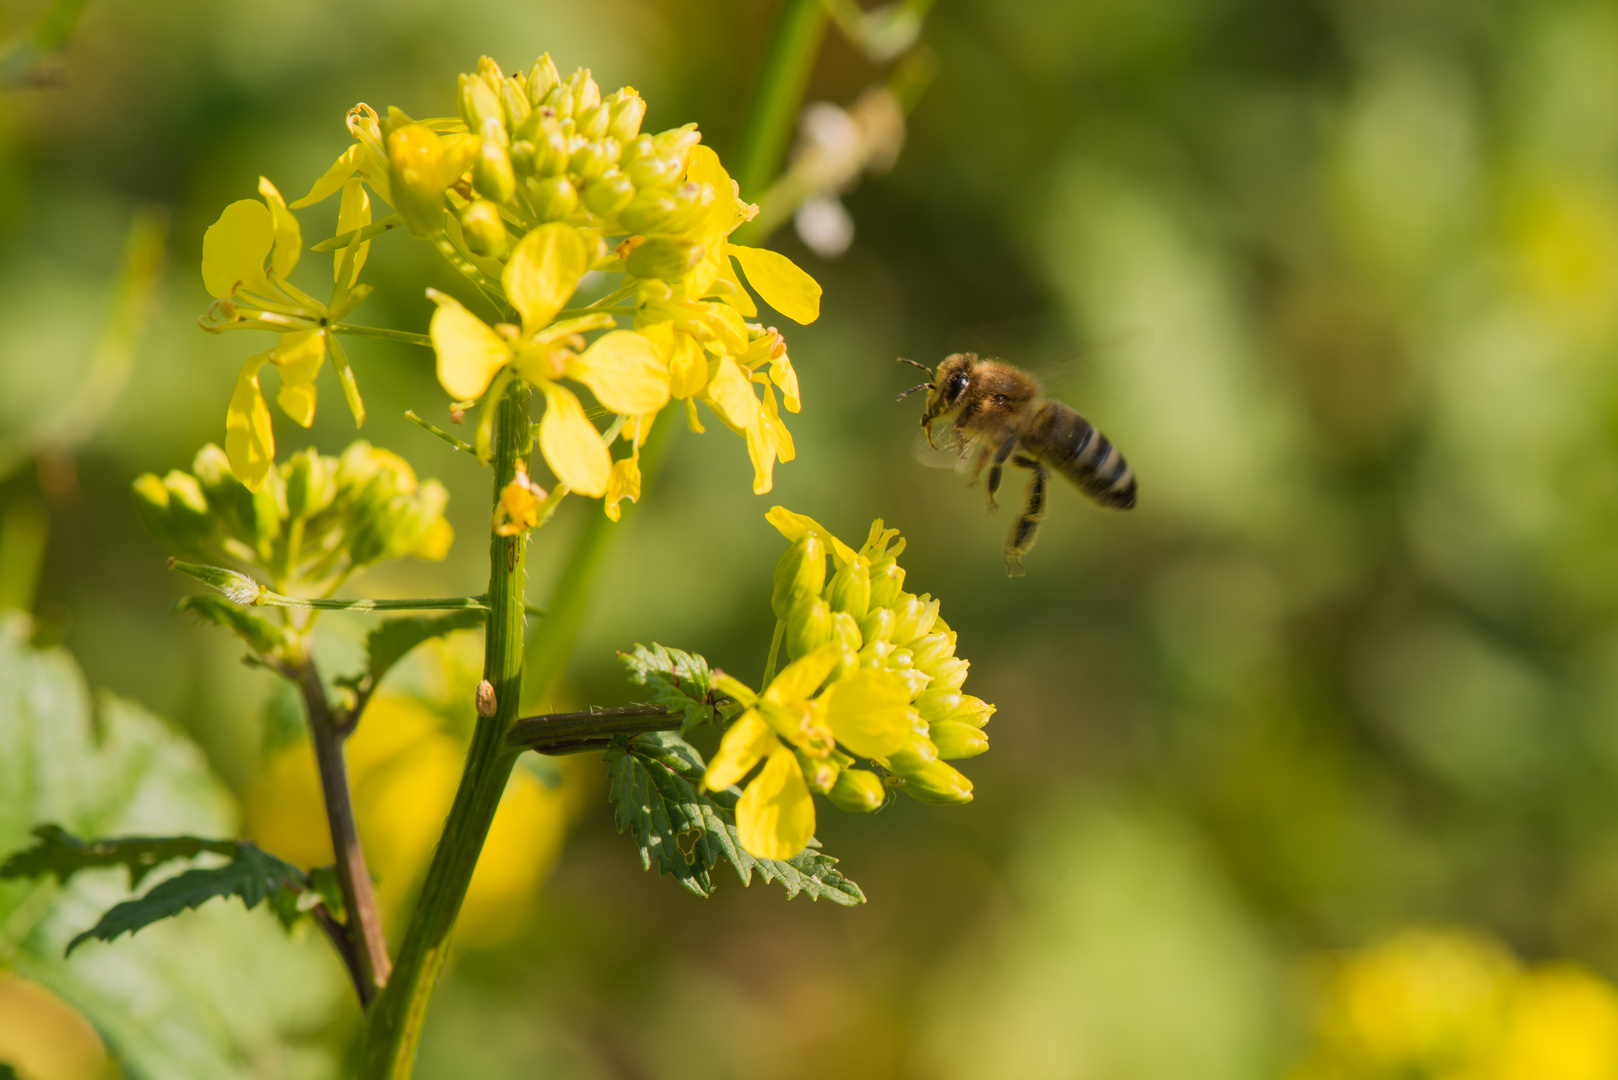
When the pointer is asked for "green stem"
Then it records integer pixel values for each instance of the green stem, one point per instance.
(433, 429)
(394, 1021)
(565, 730)
(379, 332)
(775, 651)
(787, 67)
(241, 589)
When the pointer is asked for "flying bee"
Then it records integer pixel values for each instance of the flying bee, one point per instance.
(1001, 412)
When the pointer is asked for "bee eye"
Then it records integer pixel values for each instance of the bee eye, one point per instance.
(957, 384)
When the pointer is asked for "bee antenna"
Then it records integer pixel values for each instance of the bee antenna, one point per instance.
(913, 389)
(912, 363)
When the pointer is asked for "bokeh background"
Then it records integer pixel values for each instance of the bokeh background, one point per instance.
(1306, 767)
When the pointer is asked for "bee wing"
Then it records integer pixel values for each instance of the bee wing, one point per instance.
(947, 450)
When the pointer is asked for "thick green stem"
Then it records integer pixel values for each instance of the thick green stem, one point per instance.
(394, 1021)
(787, 67)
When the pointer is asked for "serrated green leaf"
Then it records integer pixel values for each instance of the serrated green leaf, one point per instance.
(392, 640)
(655, 785)
(261, 635)
(679, 681)
(253, 875)
(58, 853)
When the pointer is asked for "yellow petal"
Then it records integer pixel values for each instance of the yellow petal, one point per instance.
(772, 426)
(736, 296)
(801, 678)
(234, 249)
(571, 444)
(744, 745)
(730, 394)
(792, 526)
(624, 372)
(775, 817)
(782, 374)
(354, 213)
(288, 236)
(543, 272)
(469, 351)
(518, 508)
(869, 712)
(623, 484)
(761, 452)
(331, 181)
(249, 440)
(781, 283)
(299, 357)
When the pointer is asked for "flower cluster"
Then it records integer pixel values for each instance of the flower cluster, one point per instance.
(313, 521)
(874, 675)
(539, 182)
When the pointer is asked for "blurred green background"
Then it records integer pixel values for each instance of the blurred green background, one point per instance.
(1339, 278)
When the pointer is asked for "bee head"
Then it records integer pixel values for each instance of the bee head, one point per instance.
(950, 382)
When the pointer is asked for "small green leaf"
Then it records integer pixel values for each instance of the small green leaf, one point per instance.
(238, 588)
(392, 640)
(656, 787)
(679, 681)
(59, 853)
(261, 635)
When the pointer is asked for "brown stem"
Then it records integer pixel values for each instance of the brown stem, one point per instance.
(583, 730)
(364, 927)
(345, 948)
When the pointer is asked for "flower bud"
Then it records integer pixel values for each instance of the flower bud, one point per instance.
(514, 104)
(949, 674)
(818, 773)
(648, 210)
(554, 198)
(484, 229)
(549, 156)
(858, 791)
(677, 143)
(311, 484)
(492, 174)
(163, 508)
(593, 158)
(691, 203)
(930, 650)
(850, 590)
(593, 123)
(586, 93)
(559, 101)
(887, 582)
(915, 617)
(799, 575)
(609, 194)
(938, 783)
(269, 509)
(917, 753)
(628, 109)
(478, 102)
(663, 258)
(846, 632)
(877, 624)
(542, 79)
(229, 500)
(809, 626)
(652, 170)
(938, 706)
(955, 740)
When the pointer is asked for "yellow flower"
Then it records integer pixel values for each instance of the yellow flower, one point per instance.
(869, 713)
(247, 256)
(521, 506)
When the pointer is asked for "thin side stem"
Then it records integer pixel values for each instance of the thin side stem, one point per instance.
(787, 67)
(394, 1022)
(380, 332)
(337, 934)
(433, 429)
(542, 733)
(364, 927)
(775, 651)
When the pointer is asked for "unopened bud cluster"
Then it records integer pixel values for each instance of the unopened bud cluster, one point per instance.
(313, 521)
(863, 607)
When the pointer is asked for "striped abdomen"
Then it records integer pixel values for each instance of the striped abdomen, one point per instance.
(1069, 444)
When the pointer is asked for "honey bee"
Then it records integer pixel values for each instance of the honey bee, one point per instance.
(1001, 412)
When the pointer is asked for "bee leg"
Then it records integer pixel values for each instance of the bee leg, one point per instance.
(1000, 456)
(1026, 530)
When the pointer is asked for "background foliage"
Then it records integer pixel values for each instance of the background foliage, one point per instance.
(1342, 278)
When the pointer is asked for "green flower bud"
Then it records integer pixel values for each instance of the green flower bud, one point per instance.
(559, 101)
(484, 229)
(915, 617)
(818, 773)
(930, 650)
(877, 624)
(850, 590)
(663, 258)
(847, 632)
(492, 174)
(636, 149)
(938, 783)
(652, 170)
(628, 109)
(586, 94)
(269, 510)
(542, 79)
(915, 755)
(311, 483)
(514, 105)
(677, 143)
(549, 156)
(691, 203)
(479, 102)
(858, 791)
(955, 740)
(594, 122)
(593, 158)
(554, 198)
(939, 706)
(799, 574)
(489, 68)
(176, 526)
(809, 626)
(950, 674)
(887, 582)
(647, 210)
(609, 194)
(229, 500)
